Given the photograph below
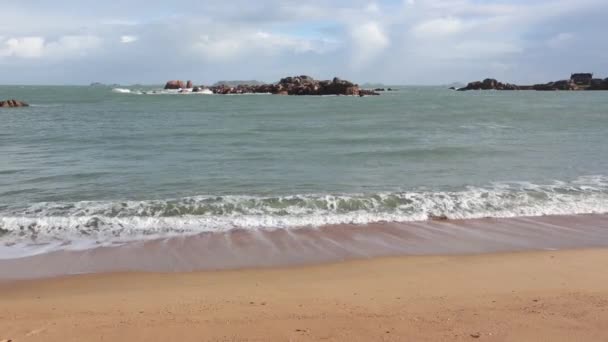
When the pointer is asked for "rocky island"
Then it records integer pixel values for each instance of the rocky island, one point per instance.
(294, 85)
(579, 81)
(13, 104)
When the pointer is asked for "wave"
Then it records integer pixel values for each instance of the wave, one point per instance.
(127, 220)
(121, 90)
(187, 91)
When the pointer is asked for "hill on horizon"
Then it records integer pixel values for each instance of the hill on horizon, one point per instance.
(237, 82)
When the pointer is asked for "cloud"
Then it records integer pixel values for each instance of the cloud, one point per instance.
(439, 27)
(244, 45)
(24, 47)
(126, 39)
(38, 47)
(119, 22)
(393, 41)
(369, 40)
(560, 40)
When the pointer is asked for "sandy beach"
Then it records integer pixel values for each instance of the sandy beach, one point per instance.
(528, 296)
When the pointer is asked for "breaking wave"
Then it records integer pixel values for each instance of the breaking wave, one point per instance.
(121, 90)
(113, 221)
(161, 91)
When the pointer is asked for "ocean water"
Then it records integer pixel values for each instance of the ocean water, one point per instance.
(93, 166)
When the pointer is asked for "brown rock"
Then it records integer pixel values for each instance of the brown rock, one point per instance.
(12, 103)
(296, 85)
(354, 90)
(598, 84)
(557, 85)
(489, 84)
(175, 84)
(189, 84)
(367, 92)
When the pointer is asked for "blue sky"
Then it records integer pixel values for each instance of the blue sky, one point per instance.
(396, 41)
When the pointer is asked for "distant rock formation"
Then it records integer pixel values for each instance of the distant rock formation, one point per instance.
(293, 85)
(489, 84)
(12, 104)
(580, 81)
(99, 84)
(598, 84)
(237, 83)
(557, 85)
(175, 84)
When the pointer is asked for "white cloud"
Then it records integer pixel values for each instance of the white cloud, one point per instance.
(126, 39)
(439, 27)
(372, 7)
(477, 50)
(239, 45)
(560, 40)
(24, 47)
(439, 40)
(369, 41)
(39, 47)
(119, 22)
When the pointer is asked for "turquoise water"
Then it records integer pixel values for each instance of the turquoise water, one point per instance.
(91, 163)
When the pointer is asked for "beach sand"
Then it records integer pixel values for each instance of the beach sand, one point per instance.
(525, 296)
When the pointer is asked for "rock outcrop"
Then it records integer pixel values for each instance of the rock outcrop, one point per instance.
(489, 84)
(175, 84)
(598, 84)
(189, 84)
(557, 85)
(296, 85)
(12, 103)
(576, 82)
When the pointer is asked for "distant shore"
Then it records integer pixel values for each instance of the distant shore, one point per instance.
(292, 85)
(551, 295)
(576, 82)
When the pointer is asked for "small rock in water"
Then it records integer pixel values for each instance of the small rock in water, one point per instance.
(175, 84)
(13, 104)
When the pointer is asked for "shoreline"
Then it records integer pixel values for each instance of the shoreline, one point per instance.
(525, 296)
(251, 249)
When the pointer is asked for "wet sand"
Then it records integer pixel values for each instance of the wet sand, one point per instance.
(526, 296)
(307, 246)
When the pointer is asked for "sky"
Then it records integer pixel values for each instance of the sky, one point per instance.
(419, 42)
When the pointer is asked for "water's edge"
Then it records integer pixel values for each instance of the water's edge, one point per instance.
(281, 247)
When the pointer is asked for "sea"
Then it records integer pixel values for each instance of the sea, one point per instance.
(88, 166)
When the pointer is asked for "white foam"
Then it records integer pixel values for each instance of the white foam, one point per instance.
(121, 90)
(205, 92)
(112, 221)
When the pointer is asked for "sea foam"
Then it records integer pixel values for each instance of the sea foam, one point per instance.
(117, 221)
(121, 90)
